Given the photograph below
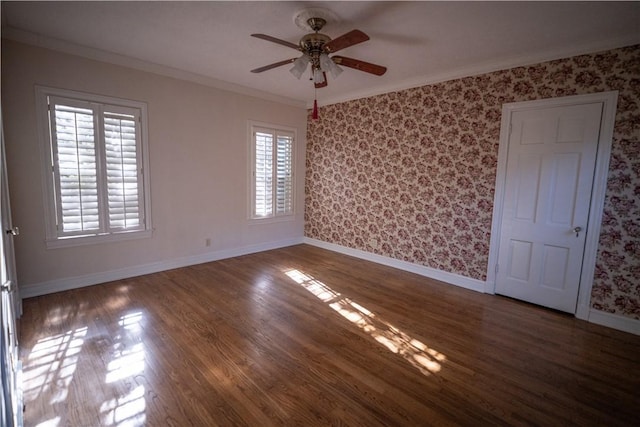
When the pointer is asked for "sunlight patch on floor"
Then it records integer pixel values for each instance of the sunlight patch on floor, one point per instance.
(128, 410)
(418, 354)
(50, 367)
(53, 422)
(131, 321)
(127, 363)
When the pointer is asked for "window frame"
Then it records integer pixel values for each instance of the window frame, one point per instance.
(253, 127)
(55, 239)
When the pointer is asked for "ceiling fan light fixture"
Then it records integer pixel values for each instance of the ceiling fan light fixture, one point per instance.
(327, 64)
(299, 66)
(318, 78)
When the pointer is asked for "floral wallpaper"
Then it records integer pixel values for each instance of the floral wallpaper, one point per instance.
(410, 174)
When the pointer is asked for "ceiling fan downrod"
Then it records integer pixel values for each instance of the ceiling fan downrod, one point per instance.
(316, 24)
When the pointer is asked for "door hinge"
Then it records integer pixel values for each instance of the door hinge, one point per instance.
(497, 269)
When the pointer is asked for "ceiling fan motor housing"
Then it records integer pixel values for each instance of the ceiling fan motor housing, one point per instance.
(313, 43)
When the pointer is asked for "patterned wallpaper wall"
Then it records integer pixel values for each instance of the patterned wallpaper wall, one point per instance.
(410, 174)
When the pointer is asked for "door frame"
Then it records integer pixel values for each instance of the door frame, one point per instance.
(12, 398)
(603, 155)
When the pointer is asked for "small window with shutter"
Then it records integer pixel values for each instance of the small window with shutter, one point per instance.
(272, 171)
(97, 179)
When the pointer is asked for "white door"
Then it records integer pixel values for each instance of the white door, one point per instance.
(549, 175)
(11, 402)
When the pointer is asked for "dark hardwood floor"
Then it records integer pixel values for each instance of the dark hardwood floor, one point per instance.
(303, 336)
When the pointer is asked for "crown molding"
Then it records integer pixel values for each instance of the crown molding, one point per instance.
(487, 67)
(34, 39)
(38, 40)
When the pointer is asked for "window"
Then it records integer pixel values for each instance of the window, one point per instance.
(272, 172)
(96, 174)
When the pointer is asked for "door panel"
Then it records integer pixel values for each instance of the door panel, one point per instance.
(519, 267)
(528, 183)
(564, 175)
(555, 262)
(550, 167)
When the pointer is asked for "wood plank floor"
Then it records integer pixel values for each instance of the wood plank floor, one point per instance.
(303, 336)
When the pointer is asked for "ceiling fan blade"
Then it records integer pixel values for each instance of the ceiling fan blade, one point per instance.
(345, 40)
(324, 81)
(367, 67)
(274, 65)
(275, 40)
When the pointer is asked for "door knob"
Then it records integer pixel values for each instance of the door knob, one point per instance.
(14, 231)
(577, 230)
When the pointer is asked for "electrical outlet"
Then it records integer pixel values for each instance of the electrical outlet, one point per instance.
(207, 242)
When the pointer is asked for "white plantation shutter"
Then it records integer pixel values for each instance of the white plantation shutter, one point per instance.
(272, 172)
(96, 155)
(121, 141)
(263, 174)
(284, 182)
(73, 137)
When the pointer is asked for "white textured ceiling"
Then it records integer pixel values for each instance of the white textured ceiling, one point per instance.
(419, 42)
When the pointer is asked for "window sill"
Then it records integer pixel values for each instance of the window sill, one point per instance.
(272, 219)
(68, 242)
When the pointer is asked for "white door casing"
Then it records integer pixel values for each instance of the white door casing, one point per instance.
(9, 306)
(545, 190)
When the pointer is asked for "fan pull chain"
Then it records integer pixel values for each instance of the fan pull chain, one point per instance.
(314, 115)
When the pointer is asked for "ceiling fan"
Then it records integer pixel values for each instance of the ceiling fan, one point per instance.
(316, 48)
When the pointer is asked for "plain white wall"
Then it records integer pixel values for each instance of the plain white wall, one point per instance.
(198, 146)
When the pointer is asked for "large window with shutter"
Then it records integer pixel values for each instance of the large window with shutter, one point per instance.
(272, 172)
(96, 174)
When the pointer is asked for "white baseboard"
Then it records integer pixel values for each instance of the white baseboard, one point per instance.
(624, 324)
(432, 273)
(66, 284)
(615, 321)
